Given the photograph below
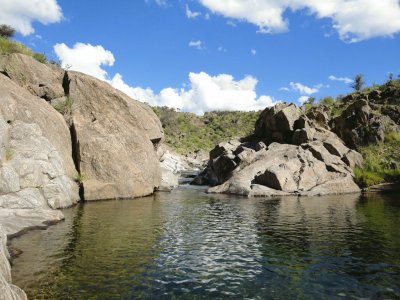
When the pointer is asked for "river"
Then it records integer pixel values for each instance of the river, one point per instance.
(191, 245)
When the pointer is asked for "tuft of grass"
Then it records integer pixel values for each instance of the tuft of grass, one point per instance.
(64, 107)
(9, 153)
(40, 57)
(8, 46)
(393, 137)
(381, 162)
(79, 178)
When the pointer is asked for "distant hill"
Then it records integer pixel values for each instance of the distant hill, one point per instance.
(186, 132)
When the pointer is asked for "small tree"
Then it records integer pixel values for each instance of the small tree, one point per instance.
(310, 101)
(358, 82)
(6, 31)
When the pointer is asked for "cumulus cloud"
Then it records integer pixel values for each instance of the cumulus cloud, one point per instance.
(85, 58)
(346, 80)
(191, 14)
(20, 14)
(196, 44)
(303, 89)
(303, 99)
(203, 93)
(354, 20)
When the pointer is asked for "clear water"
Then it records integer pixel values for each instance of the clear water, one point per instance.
(191, 245)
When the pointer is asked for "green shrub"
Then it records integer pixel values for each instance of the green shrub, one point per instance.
(40, 57)
(327, 100)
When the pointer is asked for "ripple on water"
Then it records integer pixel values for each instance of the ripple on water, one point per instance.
(187, 244)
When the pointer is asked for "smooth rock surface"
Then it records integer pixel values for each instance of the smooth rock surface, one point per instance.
(38, 78)
(116, 140)
(17, 104)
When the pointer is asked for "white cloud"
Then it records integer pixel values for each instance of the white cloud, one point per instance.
(158, 2)
(203, 93)
(20, 14)
(196, 44)
(221, 92)
(303, 99)
(222, 49)
(253, 51)
(284, 88)
(191, 14)
(303, 89)
(354, 20)
(231, 23)
(85, 58)
(346, 80)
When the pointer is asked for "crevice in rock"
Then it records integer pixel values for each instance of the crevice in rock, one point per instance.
(4, 72)
(76, 157)
(65, 83)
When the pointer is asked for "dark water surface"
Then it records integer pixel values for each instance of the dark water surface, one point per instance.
(188, 244)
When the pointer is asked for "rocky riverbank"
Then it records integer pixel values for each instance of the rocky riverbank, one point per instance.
(66, 137)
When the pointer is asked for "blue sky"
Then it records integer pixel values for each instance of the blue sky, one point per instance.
(174, 52)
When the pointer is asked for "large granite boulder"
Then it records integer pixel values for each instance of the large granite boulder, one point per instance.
(115, 140)
(277, 123)
(38, 78)
(35, 152)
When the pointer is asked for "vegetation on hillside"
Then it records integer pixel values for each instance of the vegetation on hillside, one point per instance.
(187, 132)
(381, 162)
(9, 46)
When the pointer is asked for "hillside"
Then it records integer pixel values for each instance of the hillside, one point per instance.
(187, 132)
(367, 121)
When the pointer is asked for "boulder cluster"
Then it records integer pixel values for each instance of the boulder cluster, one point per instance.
(290, 153)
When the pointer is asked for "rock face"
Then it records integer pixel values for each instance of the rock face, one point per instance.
(115, 140)
(28, 160)
(359, 125)
(309, 160)
(37, 78)
(103, 137)
(96, 134)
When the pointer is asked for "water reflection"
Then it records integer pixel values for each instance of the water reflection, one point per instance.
(188, 244)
